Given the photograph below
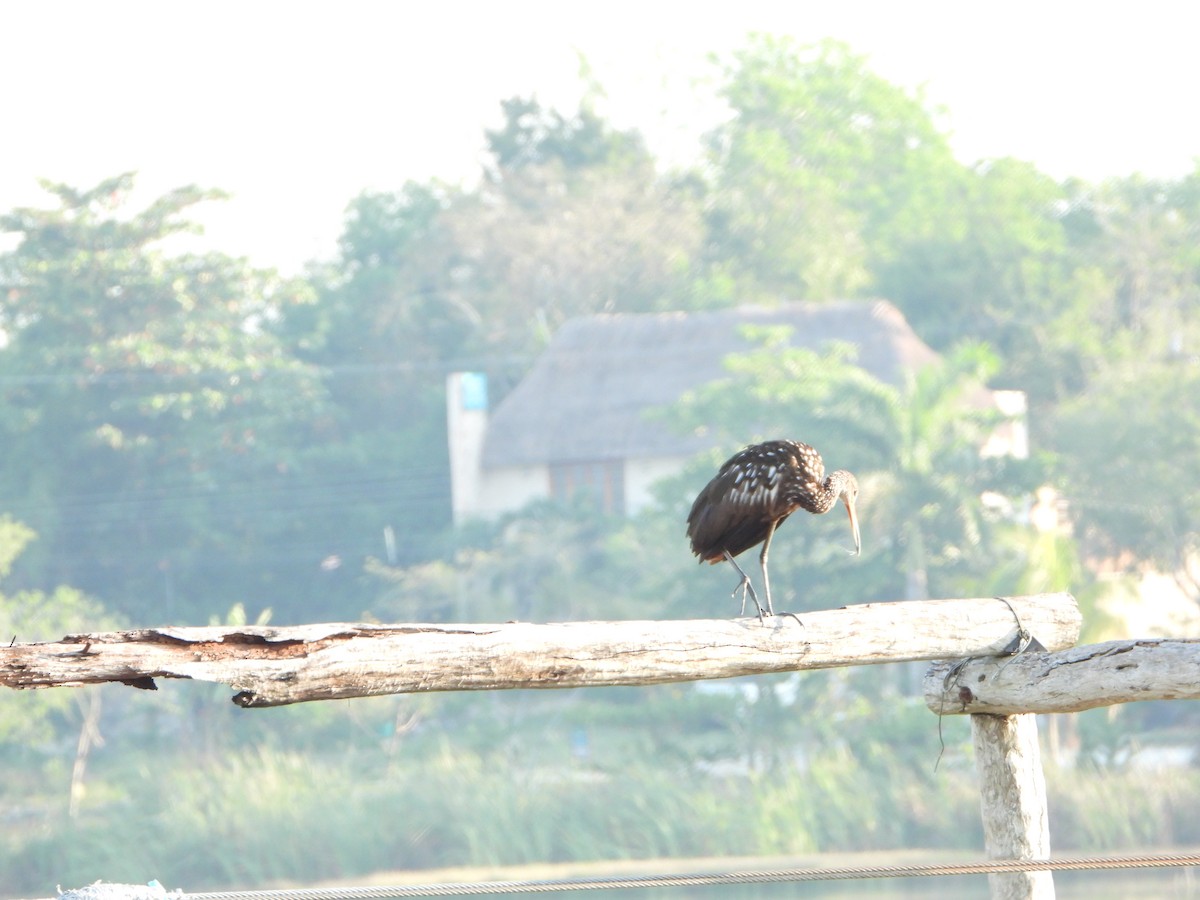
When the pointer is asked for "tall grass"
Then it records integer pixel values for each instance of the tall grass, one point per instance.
(256, 816)
(1100, 810)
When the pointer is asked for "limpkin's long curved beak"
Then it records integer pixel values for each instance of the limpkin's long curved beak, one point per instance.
(853, 524)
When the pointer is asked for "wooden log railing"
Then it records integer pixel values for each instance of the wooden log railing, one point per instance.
(269, 666)
(1072, 680)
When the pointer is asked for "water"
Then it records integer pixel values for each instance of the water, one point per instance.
(1145, 884)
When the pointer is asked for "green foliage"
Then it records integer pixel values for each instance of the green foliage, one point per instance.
(158, 387)
(825, 172)
(259, 816)
(1128, 448)
(197, 459)
(441, 799)
(238, 434)
(533, 136)
(605, 238)
(386, 312)
(1106, 811)
(1039, 560)
(915, 449)
(14, 537)
(547, 563)
(31, 722)
(384, 325)
(1002, 271)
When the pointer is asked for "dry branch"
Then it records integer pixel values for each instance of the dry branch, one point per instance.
(1069, 681)
(276, 666)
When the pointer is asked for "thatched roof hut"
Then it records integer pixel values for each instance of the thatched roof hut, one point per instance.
(588, 395)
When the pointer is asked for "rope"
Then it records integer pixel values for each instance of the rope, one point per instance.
(458, 889)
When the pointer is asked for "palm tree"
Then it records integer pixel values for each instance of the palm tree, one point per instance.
(915, 446)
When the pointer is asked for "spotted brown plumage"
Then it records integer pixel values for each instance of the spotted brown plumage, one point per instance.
(752, 493)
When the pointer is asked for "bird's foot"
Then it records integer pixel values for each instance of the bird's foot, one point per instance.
(747, 590)
(793, 615)
(762, 613)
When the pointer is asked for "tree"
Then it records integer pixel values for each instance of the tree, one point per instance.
(572, 244)
(150, 414)
(547, 562)
(914, 446)
(1141, 236)
(534, 136)
(44, 716)
(824, 173)
(1063, 279)
(572, 219)
(387, 306)
(1124, 437)
(386, 326)
(1127, 449)
(1003, 274)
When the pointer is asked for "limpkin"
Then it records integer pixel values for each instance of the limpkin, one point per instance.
(752, 493)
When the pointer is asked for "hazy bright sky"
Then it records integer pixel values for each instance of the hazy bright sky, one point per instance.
(296, 107)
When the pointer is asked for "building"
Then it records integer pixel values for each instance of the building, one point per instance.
(581, 419)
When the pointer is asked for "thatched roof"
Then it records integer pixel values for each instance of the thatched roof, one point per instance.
(586, 397)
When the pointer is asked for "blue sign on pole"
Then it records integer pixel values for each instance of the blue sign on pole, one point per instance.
(474, 390)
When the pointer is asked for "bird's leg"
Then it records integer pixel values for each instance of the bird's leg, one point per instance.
(762, 558)
(767, 581)
(745, 587)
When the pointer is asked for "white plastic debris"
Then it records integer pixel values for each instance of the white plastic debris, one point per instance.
(100, 891)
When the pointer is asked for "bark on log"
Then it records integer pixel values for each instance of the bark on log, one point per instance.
(1068, 681)
(276, 666)
(1012, 795)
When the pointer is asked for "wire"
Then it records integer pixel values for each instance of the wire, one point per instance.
(497, 362)
(458, 889)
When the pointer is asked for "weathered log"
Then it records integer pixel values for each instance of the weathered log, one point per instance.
(1068, 681)
(271, 666)
(1012, 796)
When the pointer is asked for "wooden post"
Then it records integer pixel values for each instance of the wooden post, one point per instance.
(1002, 696)
(1012, 793)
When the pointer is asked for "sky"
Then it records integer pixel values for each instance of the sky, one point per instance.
(294, 108)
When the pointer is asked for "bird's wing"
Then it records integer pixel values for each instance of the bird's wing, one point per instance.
(735, 509)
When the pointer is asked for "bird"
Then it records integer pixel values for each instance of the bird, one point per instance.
(753, 492)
